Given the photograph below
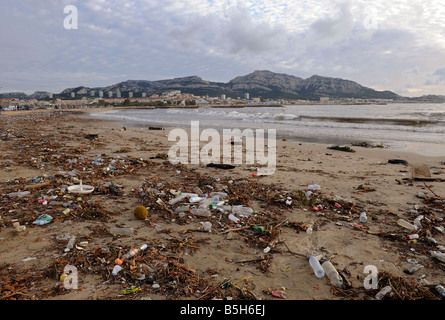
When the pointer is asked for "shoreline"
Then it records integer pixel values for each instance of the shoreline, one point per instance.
(52, 148)
(396, 146)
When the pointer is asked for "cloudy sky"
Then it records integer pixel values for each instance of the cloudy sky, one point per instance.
(396, 45)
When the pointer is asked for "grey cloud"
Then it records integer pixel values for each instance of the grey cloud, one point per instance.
(437, 77)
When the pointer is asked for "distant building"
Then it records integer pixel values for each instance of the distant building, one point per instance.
(246, 96)
(324, 99)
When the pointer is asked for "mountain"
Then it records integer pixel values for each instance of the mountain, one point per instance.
(272, 85)
(260, 83)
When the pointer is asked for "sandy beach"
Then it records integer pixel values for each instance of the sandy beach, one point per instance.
(264, 256)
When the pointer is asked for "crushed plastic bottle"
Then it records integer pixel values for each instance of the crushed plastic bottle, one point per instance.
(363, 217)
(116, 270)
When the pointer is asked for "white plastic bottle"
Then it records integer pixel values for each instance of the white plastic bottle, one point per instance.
(316, 266)
(363, 217)
(332, 273)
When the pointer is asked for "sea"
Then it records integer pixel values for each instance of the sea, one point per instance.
(412, 127)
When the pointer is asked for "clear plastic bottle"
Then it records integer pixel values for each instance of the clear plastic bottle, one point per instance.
(70, 244)
(363, 217)
(332, 273)
(417, 221)
(182, 209)
(383, 292)
(200, 212)
(316, 266)
(177, 199)
(438, 255)
(234, 218)
(242, 211)
(406, 224)
(121, 231)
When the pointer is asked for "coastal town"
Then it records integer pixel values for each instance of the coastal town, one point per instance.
(174, 98)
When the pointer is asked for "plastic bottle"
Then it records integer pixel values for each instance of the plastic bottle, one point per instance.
(116, 270)
(218, 194)
(135, 251)
(242, 211)
(70, 244)
(316, 266)
(413, 236)
(121, 231)
(382, 293)
(406, 225)
(195, 199)
(182, 209)
(177, 199)
(204, 203)
(417, 221)
(441, 290)
(234, 218)
(438, 255)
(363, 217)
(332, 273)
(200, 212)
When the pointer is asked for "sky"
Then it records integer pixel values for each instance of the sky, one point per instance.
(51, 45)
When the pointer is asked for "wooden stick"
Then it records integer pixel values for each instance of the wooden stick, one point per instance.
(430, 189)
(235, 229)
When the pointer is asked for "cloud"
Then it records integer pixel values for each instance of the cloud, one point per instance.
(437, 77)
(117, 40)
